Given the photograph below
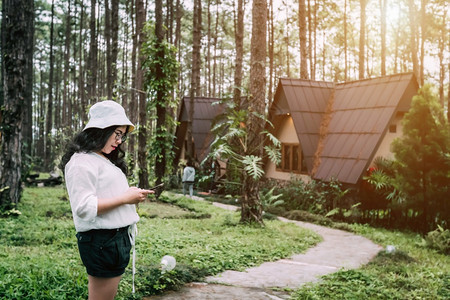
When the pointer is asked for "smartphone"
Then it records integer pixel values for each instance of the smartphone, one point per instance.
(157, 186)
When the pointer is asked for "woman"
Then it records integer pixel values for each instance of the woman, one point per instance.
(103, 205)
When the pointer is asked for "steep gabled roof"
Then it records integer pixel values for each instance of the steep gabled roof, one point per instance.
(340, 141)
(361, 114)
(204, 113)
(305, 101)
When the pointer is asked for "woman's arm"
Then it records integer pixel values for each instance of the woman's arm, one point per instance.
(133, 195)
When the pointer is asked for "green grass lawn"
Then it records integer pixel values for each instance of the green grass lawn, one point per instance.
(413, 271)
(39, 257)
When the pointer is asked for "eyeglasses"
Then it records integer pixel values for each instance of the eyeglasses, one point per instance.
(120, 136)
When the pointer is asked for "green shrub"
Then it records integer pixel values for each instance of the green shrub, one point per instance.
(439, 239)
(397, 257)
(269, 216)
(269, 201)
(298, 195)
(153, 282)
(300, 215)
(315, 197)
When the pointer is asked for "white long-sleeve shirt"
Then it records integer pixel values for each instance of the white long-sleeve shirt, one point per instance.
(89, 177)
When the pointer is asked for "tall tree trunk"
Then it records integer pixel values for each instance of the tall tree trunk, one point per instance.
(396, 47)
(177, 43)
(27, 126)
(124, 89)
(101, 73)
(67, 115)
(271, 51)
(310, 29)
(362, 38)
(109, 60)
(198, 51)
(314, 59)
(81, 63)
(160, 162)
(423, 35)
(170, 20)
(142, 134)
(93, 49)
(239, 40)
(114, 44)
(208, 52)
(302, 33)
(413, 38)
(251, 204)
(2, 37)
(196, 41)
(58, 106)
(383, 8)
(40, 112)
(216, 34)
(324, 58)
(448, 89)
(345, 42)
(179, 15)
(76, 109)
(287, 42)
(17, 56)
(132, 108)
(443, 41)
(111, 38)
(221, 68)
(48, 131)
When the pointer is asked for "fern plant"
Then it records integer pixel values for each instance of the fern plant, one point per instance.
(269, 200)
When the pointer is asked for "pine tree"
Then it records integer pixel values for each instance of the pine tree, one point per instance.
(17, 58)
(423, 157)
(251, 205)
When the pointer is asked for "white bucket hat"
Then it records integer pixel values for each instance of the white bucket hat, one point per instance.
(108, 113)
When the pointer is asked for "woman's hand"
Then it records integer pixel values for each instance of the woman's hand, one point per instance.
(135, 195)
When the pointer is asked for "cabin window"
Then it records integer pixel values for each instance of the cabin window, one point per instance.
(291, 159)
(393, 128)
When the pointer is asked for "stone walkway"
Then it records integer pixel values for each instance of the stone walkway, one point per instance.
(339, 249)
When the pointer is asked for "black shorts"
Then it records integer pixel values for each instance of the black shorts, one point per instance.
(105, 252)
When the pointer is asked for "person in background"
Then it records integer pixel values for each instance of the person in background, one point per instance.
(188, 179)
(103, 204)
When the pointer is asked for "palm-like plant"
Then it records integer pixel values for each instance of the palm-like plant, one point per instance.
(232, 144)
(384, 180)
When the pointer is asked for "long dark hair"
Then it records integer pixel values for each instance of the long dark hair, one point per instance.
(93, 140)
